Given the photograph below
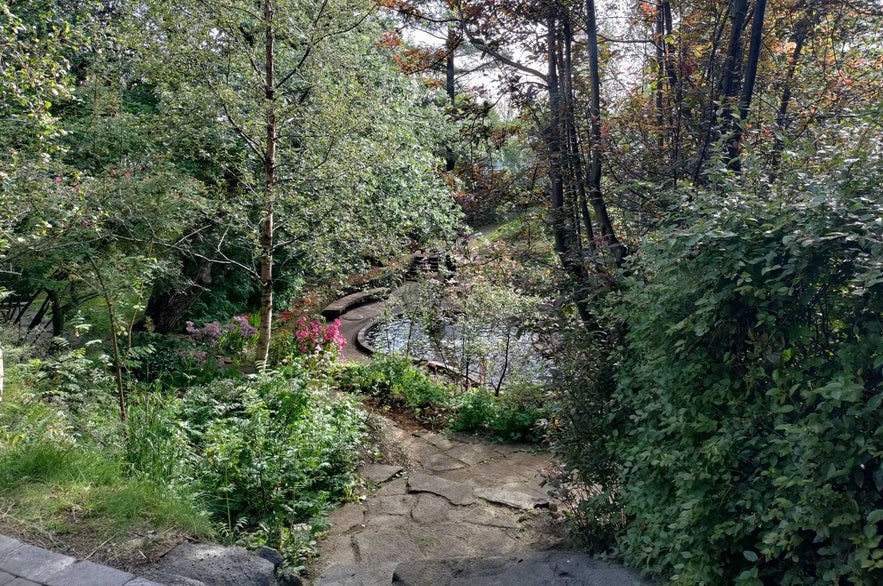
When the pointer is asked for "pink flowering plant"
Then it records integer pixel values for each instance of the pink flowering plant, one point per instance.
(313, 342)
(231, 341)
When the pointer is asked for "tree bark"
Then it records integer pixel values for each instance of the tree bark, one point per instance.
(450, 45)
(734, 159)
(595, 195)
(266, 230)
(801, 32)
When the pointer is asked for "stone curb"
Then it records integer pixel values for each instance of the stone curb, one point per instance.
(26, 565)
(342, 305)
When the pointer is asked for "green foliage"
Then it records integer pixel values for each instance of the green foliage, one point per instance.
(518, 414)
(270, 454)
(397, 383)
(748, 427)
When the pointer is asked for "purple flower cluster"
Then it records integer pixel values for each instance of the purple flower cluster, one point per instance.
(246, 330)
(210, 333)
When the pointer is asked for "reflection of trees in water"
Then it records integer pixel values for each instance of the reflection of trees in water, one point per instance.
(497, 356)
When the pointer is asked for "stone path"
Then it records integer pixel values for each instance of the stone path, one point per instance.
(458, 511)
(26, 565)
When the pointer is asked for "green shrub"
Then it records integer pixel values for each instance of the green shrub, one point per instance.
(397, 383)
(517, 414)
(271, 454)
(747, 422)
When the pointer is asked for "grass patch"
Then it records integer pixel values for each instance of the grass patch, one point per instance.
(57, 487)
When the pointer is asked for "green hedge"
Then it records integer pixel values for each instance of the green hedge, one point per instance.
(746, 426)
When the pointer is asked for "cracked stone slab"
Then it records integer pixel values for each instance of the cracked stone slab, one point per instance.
(517, 500)
(357, 574)
(439, 441)
(442, 463)
(346, 517)
(338, 549)
(385, 545)
(456, 492)
(472, 454)
(397, 486)
(392, 505)
(379, 473)
(558, 568)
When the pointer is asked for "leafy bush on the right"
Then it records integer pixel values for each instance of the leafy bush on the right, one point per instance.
(749, 434)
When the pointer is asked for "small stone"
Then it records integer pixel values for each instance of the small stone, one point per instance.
(379, 473)
(289, 578)
(271, 555)
(517, 500)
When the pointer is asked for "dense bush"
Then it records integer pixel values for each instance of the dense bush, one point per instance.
(746, 425)
(395, 382)
(517, 414)
(267, 456)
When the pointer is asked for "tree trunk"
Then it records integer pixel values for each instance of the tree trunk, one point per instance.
(595, 195)
(553, 141)
(556, 181)
(677, 91)
(734, 160)
(450, 45)
(165, 308)
(801, 32)
(659, 41)
(266, 229)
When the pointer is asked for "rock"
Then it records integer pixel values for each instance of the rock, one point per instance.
(441, 463)
(357, 575)
(379, 473)
(456, 492)
(289, 578)
(213, 565)
(552, 568)
(517, 500)
(271, 555)
(392, 505)
(170, 579)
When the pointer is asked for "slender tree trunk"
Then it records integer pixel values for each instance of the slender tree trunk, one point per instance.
(799, 37)
(659, 41)
(734, 160)
(595, 195)
(553, 141)
(450, 45)
(676, 90)
(109, 304)
(266, 235)
(709, 115)
(570, 167)
(573, 143)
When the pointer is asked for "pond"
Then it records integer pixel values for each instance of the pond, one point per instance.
(496, 357)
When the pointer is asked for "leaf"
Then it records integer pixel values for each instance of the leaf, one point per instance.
(878, 479)
(750, 555)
